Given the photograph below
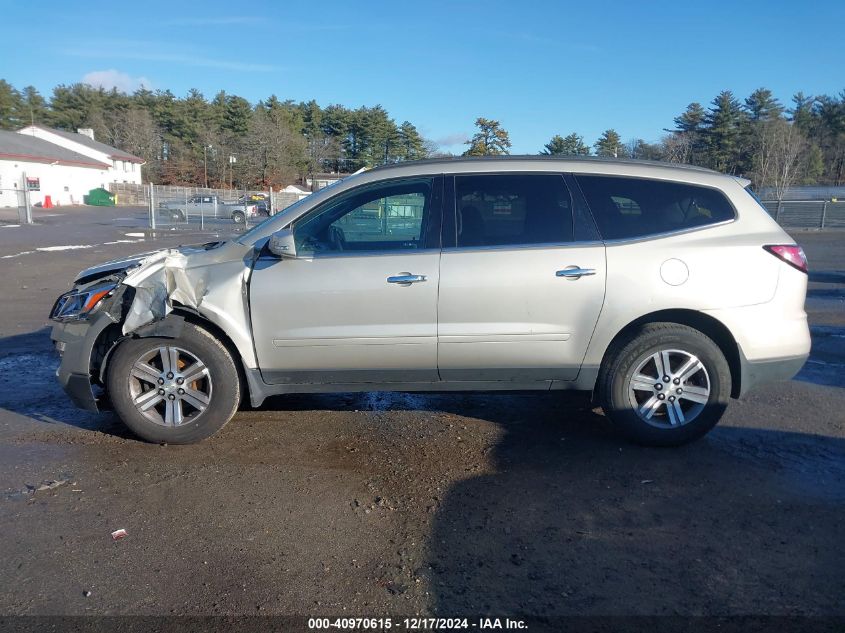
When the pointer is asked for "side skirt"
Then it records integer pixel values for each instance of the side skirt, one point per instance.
(259, 390)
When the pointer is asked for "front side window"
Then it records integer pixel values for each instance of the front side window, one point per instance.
(383, 217)
(512, 209)
(626, 208)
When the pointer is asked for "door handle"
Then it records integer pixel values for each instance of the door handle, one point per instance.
(405, 279)
(575, 272)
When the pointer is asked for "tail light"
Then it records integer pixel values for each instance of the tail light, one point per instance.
(792, 254)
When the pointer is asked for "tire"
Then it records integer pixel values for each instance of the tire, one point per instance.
(701, 392)
(206, 399)
(238, 218)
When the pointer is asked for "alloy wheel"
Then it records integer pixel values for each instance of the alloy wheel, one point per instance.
(170, 386)
(669, 388)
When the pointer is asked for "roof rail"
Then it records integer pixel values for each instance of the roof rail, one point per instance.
(542, 157)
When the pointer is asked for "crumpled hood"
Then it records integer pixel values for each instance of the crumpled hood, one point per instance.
(125, 263)
(187, 276)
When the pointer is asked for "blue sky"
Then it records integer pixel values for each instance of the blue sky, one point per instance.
(540, 68)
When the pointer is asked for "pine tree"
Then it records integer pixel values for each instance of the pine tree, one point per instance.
(724, 133)
(801, 112)
(490, 139)
(762, 106)
(688, 145)
(571, 145)
(411, 143)
(610, 145)
(692, 119)
(10, 106)
(33, 108)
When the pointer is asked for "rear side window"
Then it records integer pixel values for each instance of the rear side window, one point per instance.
(627, 208)
(512, 209)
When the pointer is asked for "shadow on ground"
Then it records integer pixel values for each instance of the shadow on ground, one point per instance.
(28, 385)
(573, 522)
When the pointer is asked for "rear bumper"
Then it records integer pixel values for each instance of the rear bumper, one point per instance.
(759, 372)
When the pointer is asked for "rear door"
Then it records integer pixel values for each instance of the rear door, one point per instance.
(521, 279)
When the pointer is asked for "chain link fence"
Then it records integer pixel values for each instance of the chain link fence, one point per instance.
(16, 200)
(192, 208)
(232, 209)
(807, 214)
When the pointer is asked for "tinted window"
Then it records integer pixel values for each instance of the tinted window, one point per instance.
(388, 216)
(635, 207)
(506, 209)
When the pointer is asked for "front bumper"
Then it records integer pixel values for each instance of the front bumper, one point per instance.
(77, 340)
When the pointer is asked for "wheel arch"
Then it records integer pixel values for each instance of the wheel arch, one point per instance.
(704, 323)
(169, 327)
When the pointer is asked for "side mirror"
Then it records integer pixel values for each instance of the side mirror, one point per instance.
(281, 244)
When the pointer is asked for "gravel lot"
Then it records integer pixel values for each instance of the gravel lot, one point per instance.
(396, 504)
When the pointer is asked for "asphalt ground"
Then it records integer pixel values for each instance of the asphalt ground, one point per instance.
(385, 504)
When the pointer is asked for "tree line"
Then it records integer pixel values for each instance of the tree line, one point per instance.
(759, 138)
(226, 140)
(222, 141)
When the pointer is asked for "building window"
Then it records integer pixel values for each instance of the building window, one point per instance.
(114, 164)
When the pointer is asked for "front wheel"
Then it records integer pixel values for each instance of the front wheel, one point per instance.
(238, 217)
(665, 385)
(178, 391)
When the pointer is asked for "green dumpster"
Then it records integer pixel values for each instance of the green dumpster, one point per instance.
(99, 197)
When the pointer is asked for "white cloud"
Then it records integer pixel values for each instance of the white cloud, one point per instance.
(109, 79)
(159, 52)
(458, 138)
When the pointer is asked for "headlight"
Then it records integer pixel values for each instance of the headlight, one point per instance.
(77, 304)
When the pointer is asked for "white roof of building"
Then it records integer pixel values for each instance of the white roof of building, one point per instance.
(111, 152)
(26, 148)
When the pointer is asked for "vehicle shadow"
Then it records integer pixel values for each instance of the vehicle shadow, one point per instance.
(576, 522)
(28, 386)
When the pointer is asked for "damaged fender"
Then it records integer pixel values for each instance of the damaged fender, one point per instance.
(161, 280)
(212, 283)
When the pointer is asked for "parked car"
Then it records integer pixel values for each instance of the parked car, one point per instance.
(210, 206)
(665, 290)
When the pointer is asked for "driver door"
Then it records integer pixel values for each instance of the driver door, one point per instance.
(359, 302)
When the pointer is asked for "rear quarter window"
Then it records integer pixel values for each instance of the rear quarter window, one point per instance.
(626, 208)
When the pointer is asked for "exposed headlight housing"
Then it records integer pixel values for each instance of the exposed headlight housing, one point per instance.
(78, 304)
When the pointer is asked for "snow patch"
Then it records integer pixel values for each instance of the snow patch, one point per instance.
(71, 247)
(16, 255)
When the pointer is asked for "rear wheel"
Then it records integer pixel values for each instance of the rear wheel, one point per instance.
(177, 391)
(665, 385)
(238, 217)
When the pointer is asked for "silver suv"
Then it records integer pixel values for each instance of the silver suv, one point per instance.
(665, 290)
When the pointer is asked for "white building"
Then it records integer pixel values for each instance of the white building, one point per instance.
(299, 192)
(62, 165)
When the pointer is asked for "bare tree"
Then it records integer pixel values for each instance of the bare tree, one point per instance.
(677, 147)
(273, 152)
(322, 149)
(777, 164)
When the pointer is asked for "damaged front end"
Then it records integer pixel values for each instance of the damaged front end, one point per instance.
(136, 298)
